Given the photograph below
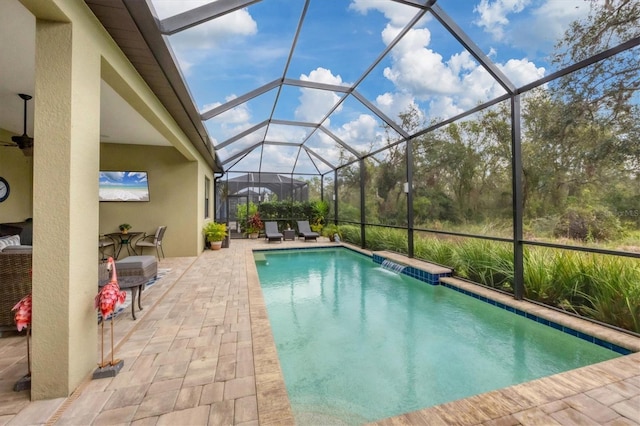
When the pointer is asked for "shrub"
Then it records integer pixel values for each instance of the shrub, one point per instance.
(254, 224)
(587, 224)
(351, 234)
(330, 231)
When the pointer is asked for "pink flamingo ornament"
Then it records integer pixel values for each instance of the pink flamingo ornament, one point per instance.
(23, 320)
(107, 299)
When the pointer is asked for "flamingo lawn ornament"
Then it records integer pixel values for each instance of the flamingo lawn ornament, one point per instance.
(107, 299)
(23, 321)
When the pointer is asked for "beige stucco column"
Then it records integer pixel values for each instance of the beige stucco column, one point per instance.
(65, 208)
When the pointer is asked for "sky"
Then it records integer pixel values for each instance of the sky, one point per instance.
(340, 40)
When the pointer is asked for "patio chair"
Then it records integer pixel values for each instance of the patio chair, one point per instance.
(271, 232)
(105, 242)
(304, 230)
(152, 240)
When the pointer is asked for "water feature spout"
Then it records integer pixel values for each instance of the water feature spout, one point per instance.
(392, 266)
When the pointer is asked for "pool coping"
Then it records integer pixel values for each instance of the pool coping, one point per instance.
(601, 335)
(274, 406)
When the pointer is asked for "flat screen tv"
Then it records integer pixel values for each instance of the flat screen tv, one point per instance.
(123, 186)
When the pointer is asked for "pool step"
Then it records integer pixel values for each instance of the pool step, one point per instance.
(259, 258)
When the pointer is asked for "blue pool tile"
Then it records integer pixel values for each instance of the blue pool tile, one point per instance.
(620, 350)
(570, 331)
(586, 337)
(556, 326)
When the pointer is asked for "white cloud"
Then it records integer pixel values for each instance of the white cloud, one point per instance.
(238, 115)
(444, 87)
(444, 107)
(194, 45)
(460, 62)
(213, 33)
(522, 71)
(552, 18)
(394, 104)
(493, 16)
(361, 134)
(285, 133)
(398, 15)
(315, 103)
(277, 162)
(530, 26)
(419, 70)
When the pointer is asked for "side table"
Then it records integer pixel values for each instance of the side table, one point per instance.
(289, 234)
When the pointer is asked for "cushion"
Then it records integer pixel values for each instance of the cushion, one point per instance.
(11, 240)
(17, 249)
(135, 262)
(146, 266)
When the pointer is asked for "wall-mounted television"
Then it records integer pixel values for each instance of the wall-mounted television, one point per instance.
(123, 186)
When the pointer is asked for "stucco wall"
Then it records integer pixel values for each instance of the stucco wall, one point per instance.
(73, 54)
(18, 171)
(173, 192)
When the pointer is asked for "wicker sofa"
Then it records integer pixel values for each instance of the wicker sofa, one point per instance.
(15, 283)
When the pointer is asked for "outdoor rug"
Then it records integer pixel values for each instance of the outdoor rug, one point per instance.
(127, 303)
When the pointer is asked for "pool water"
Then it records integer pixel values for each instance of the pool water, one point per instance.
(358, 343)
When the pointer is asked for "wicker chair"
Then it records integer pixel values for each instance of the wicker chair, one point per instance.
(15, 283)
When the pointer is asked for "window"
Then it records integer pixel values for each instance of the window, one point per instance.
(207, 191)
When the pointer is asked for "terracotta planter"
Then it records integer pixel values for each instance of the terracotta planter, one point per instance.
(253, 235)
(215, 245)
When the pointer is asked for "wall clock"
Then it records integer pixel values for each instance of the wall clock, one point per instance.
(4, 189)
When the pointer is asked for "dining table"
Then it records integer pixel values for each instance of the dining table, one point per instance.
(124, 240)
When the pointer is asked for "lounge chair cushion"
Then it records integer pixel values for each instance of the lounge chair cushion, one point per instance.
(271, 231)
(305, 230)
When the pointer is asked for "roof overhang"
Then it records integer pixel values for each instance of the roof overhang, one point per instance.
(133, 27)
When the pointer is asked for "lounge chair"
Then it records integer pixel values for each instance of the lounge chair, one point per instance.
(271, 231)
(304, 230)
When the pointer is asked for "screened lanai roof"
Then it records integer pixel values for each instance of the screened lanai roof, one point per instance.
(307, 86)
(276, 183)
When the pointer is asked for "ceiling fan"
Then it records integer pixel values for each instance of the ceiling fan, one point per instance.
(24, 141)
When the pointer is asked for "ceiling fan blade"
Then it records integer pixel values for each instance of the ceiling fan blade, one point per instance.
(23, 141)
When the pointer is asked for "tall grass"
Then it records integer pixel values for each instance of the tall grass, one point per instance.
(604, 288)
(486, 262)
(386, 239)
(437, 251)
(612, 292)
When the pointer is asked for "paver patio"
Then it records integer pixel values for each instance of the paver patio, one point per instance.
(202, 352)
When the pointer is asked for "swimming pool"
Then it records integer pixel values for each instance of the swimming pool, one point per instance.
(357, 343)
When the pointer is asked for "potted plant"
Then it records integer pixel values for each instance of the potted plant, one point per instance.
(254, 225)
(124, 228)
(214, 232)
